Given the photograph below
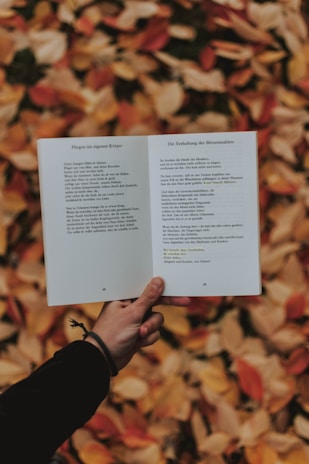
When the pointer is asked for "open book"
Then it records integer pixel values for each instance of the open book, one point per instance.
(117, 211)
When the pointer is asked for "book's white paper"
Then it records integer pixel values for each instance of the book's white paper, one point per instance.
(118, 210)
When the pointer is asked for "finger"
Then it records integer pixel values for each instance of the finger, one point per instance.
(152, 324)
(150, 295)
(150, 340)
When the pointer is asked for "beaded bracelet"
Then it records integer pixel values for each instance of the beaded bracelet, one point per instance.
(99, 340)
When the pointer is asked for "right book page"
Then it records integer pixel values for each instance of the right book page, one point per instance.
(205, 214)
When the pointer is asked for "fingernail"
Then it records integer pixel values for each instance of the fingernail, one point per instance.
(156, 283)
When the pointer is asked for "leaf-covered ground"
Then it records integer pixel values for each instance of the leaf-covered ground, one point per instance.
(228, 382)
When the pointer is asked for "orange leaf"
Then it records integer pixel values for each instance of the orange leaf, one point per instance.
(44, 95)
(136, 438)
(298, 361)
(13, 311)
(154, 37)
(261, 454)
(207, 58)
(295, 306)
(33, 252)
(95, 453)
(250, 380)
(128, 115)
(240, 78)
(51, 127)
(303, 84)
(98, 78)
(84, 25)
(101, 423)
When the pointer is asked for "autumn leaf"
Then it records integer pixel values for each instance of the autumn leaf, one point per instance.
(295, 306)
(154, 37)
(222, 380)
(250, 380)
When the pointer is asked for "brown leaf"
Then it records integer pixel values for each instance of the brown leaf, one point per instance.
(195, 78)
(250, 380)
(49, 46)
(131, 388)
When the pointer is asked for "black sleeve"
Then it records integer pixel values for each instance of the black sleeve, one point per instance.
(40, 412)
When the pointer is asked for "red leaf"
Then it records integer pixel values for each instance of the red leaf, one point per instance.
(242, 123)
(101, 423)
(250, 380)
(112, 21)
(295, 306)
(267, 113)
(298, 361)
(128, 115)
(154, 37)
(136, 438)
(43, 95)
(98, 78)
(304, 85)
(84, 25)
(14, 312)
(207, 58)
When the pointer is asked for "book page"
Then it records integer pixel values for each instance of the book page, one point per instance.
(95, 210)
(204, 205)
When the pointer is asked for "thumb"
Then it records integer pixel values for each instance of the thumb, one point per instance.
(150, 295)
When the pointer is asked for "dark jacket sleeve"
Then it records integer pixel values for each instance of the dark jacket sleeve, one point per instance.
(40, 412)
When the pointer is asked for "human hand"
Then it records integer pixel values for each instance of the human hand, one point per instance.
(123, 325)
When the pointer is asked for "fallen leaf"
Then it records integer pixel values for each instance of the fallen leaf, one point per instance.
(131, 388)
(250, 380)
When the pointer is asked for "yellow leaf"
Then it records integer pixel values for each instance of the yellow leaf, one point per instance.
(272, 258)
(30, 346)
(175, 319)
(48, 45)
(247, 31)
(25, 161)
(11, 372)
(282, 442)
(3, 239)
(261, 454)
(172, 400)
(231, 334)
(199, 429)
(168, 99)
(33, 272)
(196, 79)
(213, 375)
(124, 70)
(150, 455)
(215, 444)
(182, 32)
(268, 56)
(295, 456)
(253, 428)
(94, 452)
(287, 338)
(301, 426)
(131, 388)
(6, 329)
(13, 204)
(92, 310)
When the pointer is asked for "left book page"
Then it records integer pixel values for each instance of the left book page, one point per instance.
(95, 213)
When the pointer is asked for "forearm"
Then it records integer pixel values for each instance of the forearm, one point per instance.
(40, 412)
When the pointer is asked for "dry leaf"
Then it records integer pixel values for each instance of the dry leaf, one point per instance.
(131, 388)
(250, 380)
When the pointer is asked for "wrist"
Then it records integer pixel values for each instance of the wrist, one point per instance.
(96, 340)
